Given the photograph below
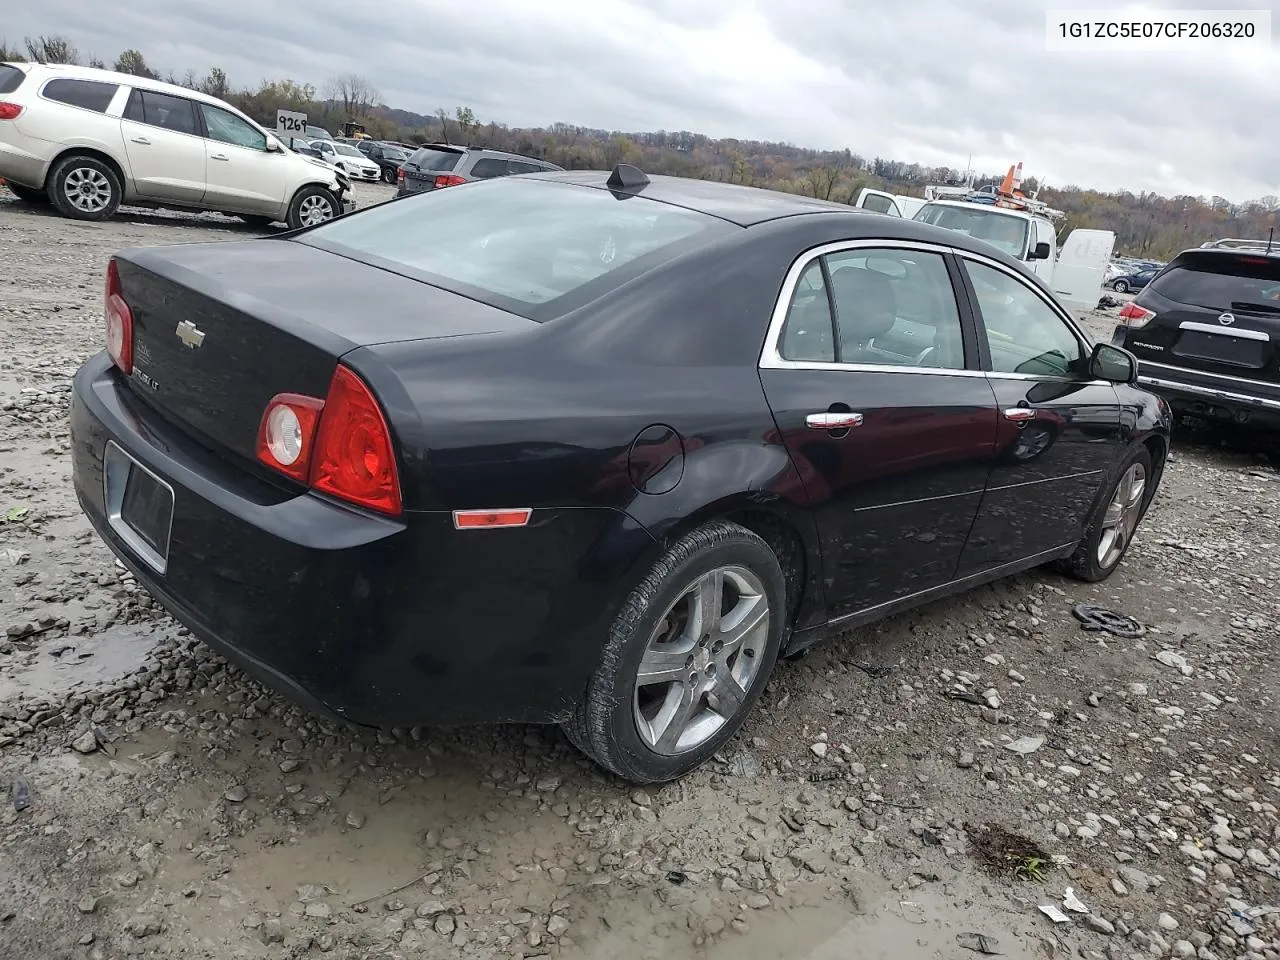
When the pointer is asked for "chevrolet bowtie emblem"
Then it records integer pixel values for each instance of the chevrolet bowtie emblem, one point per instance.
(189, 334)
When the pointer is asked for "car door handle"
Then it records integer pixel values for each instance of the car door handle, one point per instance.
(142, 140)
(833, 421)
(218, 156)
(1019, 414)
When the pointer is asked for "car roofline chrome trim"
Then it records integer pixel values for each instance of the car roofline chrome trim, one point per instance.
(772, 359)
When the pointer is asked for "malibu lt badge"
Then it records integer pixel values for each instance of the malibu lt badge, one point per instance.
(189, 334)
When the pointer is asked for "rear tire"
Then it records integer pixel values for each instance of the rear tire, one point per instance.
(311, 205)
(703, 672)
(29, 194)
(1114, 522)
(85, 188)
(1121, 286)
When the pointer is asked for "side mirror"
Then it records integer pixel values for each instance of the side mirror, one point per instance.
(1113, 364)
(1039, 252)
(273, 146)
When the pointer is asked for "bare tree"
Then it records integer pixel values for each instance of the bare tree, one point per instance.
(132, 62)
(467, 123)
(54, 49)
(215, 84)
(444, 124)
(356, 94)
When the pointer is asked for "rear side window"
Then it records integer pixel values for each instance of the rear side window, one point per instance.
(523, 166)
(532, 247)
(1220, 283)
(10, 78)
(487, 167)
(437, 161)
(162, 110)
(88, 94)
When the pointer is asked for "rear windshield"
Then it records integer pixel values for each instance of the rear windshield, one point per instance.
(532, 247)
(1219, 282)
(10, 78)
(998, 229)
(424, 158)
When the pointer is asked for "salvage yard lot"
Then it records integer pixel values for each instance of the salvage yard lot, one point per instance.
(172, 808)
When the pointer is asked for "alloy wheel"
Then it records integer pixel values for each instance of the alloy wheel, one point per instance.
(701, 660)
(1121, 517)
(315, 209)
(87, 189)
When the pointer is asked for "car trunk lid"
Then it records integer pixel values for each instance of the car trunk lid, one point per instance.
(221, 328)
(1215, 312)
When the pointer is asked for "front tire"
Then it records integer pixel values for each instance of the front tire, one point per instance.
(29, 194)
(686, 658)
(1114, 522)
(85, 188)
(311, 205)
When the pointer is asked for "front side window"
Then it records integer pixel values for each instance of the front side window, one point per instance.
(228, 128)
(161, 110)
(522, 245)
(1025, 334)
(88, 94)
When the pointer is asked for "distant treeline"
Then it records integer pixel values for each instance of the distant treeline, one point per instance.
(1146, 224)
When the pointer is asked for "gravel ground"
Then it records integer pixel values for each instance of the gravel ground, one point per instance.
(940, 775)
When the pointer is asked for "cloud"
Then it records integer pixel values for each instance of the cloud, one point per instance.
(926, 81)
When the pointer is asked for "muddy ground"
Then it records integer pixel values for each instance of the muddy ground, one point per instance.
(157, 803)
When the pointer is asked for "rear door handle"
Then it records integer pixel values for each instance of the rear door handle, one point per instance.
(218, 156)
(833, 421)
(142, 140)
(1019, 414)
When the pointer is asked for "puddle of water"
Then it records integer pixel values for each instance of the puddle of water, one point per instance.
(924, 924)
(82, 663)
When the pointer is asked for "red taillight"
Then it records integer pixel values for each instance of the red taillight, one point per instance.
(1135, 316)
(399, 174)
(9, 111)
(354, 458)
(448, 180)
(340, 445)
(119, 322)
(287, 433)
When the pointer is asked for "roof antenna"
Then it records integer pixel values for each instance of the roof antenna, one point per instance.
(1269, 236)
(627, 177)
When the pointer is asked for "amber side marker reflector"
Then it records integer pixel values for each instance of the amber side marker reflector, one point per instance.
(473, 519)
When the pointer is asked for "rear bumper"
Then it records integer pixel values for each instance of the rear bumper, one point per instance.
(383, 622)
(21, 166)
(1213, 397)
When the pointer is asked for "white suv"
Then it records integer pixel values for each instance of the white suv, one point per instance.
(88, 140)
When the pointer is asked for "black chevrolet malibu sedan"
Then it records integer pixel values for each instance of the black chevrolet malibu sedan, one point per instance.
(592, 449)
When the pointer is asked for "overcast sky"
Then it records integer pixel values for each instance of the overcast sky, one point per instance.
(928, 81)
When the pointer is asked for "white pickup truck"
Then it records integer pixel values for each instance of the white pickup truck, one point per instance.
(1075, 273)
